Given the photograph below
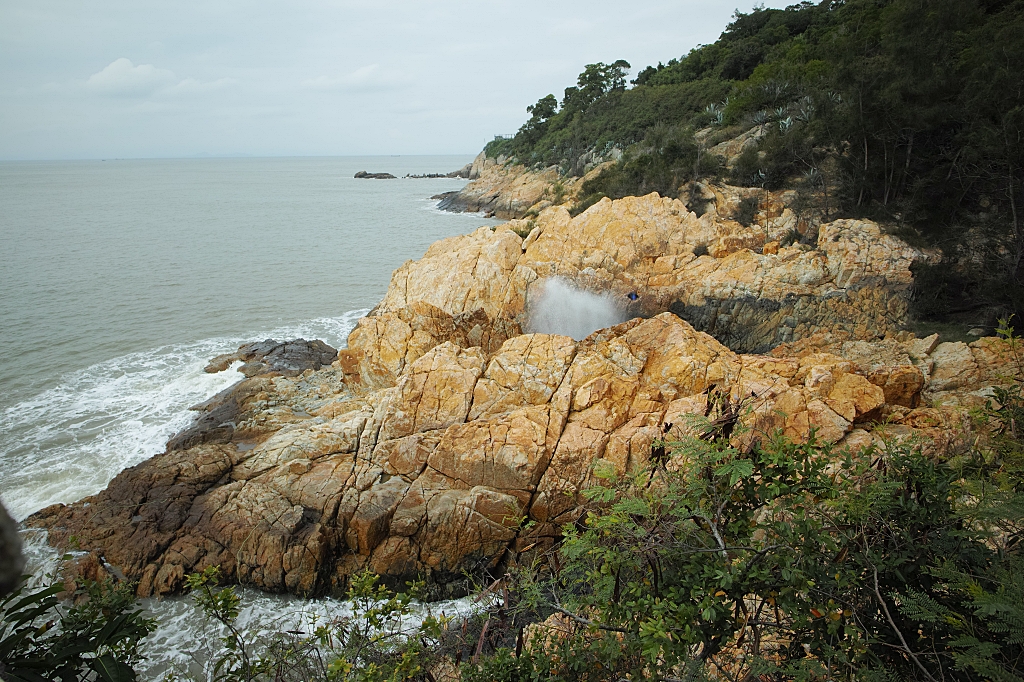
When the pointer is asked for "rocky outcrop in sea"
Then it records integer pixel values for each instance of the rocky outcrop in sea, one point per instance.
(454, 433)
(363, 175)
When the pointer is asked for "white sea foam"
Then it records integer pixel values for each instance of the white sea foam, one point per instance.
(563, 308)
(70, 440)
(431, 205)
(186, 642)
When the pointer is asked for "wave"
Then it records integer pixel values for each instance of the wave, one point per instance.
(432, 207)
(68, 441)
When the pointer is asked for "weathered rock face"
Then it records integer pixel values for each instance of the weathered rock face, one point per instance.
(436, 473)
(511, 191)
(711, 271)
(499, 191)
(427, 445)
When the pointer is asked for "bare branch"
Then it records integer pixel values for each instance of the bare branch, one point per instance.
(903, 641)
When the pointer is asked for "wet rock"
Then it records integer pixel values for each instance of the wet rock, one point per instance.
(220, 415)
(363, 175)
(288, 358)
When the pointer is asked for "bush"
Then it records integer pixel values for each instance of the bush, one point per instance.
(94, 635)
(376, 643)
(668, 158)
(746, 214)
(795, 562)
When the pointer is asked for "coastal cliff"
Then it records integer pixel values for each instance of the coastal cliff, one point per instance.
(452, 435)
(504, 189)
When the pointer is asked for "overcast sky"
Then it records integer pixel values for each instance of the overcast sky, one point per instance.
(137, 78)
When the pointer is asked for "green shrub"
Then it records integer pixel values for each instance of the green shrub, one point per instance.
(746, 213)
(668, 158)
(815, 564)
(373, 644)
(94, 635)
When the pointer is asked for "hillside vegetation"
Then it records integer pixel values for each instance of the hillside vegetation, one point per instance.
(908, 112)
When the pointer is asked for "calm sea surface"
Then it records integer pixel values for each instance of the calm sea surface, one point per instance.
(120, 279)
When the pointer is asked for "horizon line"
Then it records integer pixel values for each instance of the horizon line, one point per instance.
(235, 156)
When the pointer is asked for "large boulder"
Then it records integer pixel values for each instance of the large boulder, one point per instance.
(441, 471)
(652, 254)
(12, 563)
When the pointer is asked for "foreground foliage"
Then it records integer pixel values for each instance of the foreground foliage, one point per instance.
(95, 635)
(778, 562)
(384, 638)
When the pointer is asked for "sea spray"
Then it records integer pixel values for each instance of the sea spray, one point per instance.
(563, 308)
(71, 439)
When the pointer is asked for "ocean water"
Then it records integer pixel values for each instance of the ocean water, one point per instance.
(120, 279)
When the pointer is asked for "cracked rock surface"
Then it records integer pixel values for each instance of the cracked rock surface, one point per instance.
(427, 444)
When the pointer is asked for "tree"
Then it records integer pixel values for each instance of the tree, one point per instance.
(596, 80)
(544, 109)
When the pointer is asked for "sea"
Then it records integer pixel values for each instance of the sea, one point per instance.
(120, 279)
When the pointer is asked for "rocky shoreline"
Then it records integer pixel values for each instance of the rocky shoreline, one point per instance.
(452, 435)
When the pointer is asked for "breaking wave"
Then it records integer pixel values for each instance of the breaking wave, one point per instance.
(71, 439)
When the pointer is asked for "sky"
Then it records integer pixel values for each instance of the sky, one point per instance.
(139, 78)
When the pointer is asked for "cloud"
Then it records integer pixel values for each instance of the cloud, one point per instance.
(123, 78)
(191, 86)
(370, 78)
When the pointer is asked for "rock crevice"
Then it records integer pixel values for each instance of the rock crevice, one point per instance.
(424, 445)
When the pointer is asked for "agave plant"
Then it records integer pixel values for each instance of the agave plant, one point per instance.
(775, 89)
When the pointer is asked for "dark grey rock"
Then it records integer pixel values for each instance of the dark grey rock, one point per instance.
(286, 358)
(12, 563)
(220, 414)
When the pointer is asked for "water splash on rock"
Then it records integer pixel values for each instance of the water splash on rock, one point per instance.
(563, 308)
